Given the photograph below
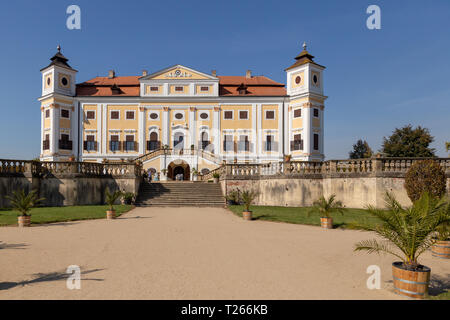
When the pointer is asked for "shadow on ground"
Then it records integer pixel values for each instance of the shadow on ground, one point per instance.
(4, 245)
(439, 284)
(47, 277)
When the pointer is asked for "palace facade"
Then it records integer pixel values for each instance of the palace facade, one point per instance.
(180, 119)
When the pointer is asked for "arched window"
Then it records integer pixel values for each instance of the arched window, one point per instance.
(205, 141)
(178, 140)
(153, 144)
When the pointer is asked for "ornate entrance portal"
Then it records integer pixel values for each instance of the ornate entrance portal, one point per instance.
(179, 167)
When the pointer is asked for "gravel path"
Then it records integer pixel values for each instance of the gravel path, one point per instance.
(191, 253)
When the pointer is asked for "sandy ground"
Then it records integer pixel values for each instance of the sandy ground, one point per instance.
(192, 253)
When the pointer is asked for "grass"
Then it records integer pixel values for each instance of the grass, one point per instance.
(298, 215)
(442, 296)
(60, 214)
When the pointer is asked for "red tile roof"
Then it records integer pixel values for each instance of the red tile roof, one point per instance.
(129, 86)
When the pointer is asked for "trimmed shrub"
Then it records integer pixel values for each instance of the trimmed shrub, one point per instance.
(425, 175)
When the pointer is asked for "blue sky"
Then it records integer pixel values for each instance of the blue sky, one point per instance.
(376, 80)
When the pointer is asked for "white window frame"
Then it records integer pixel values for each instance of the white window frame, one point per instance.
(293, 113)
(134, 114)
(239, 114)
(176, 112)
(60, 113)
(110, 111)
(95, 114)
(203, 111)
(232, 114)
(274, 114)
(151, 112)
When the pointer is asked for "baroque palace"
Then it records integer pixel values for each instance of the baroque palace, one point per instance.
(179, 120)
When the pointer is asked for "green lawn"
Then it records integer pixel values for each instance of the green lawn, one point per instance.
(58, 214)
(442, 296)
(299, 215)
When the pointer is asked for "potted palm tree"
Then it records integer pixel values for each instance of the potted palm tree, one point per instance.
(128, 197)
(408, 232)
(441, 246)
(111, 198)
(247, 198)
(216, 177)
(326, 207)
(232, 197)
(23, 203)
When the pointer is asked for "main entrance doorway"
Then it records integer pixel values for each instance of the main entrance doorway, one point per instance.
(179, 167)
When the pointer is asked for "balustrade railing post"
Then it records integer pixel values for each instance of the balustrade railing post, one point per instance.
(377, 165)
(333, 166)
(286, 167)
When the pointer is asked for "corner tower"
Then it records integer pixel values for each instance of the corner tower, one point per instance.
(305, 127)
(58, 113)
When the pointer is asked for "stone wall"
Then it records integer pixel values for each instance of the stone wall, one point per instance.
(357, 183)
(67, 183)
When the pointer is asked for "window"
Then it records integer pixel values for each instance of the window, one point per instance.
(244, 144)
(90, 144)
(154, 116)
(47, 113)
(49, 81)
(153, 144)
(64, 113)
(90, 115)
(178, 141)
(316, 141)
(298, 79)
(46, 142)
(228, 115)
(297, 144)
(129, 143)
(154, 88)
(114, 144)
(228, 142)
(315, 79)
(204, 88)
(179, 116)
(205, 141)
(316, 112)
(65, 143)
(129, 115)
(204, 116)
(114, 115)
(64, 81)
(270, 114)
(243, 115)
(178, 88)
(269, 140)
(297, 113)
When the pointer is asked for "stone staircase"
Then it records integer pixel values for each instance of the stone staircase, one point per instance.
(180, 194)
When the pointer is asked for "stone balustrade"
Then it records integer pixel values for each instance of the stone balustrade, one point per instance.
(356, 167)
(15, 167)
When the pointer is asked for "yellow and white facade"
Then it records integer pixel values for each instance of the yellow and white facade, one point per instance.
(203, 119)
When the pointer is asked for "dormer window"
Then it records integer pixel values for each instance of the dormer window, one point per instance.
(242, 89)
(115, 89)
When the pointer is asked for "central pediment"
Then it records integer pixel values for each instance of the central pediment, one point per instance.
(178, 72)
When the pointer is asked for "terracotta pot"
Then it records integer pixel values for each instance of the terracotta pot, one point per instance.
(247, 215)
(24, 221)
(441, 249)
(326, 223)
(110, 214)
(216, 180)
(413, 284)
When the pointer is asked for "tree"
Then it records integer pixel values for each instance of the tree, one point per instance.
(409, 142)
(447, 146)
(360, 150)
(23, 202)
(425, 176)
(409, 231)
